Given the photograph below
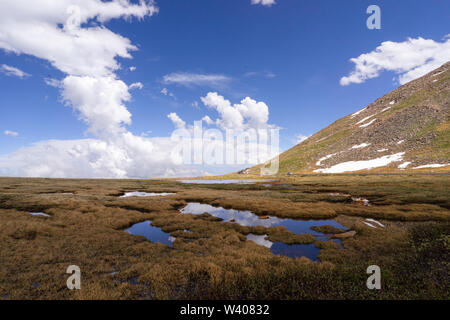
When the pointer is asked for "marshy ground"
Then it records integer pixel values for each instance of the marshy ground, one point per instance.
(400, 223)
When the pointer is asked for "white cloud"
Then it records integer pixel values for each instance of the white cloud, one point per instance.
(267, 3)
(12, 71)
(409, 59)
(195, 79)
(126, 156)
(233, 116)
(257, 113)
(266, 74)
(100, 102)
(195, 104)
(207, 120)
(132, 68)
(72, 49)
(136, 85)
(11, 133)
(177, 121)
(86, 53)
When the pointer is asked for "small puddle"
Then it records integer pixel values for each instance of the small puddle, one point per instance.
(289, 250)
(224, 181)
(151, 233)
(42, 214)
(249, 219)
(145, 194)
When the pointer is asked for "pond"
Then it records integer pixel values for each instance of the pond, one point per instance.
(145, 194)
(151, 233)
(249, 219)
(289, 250)
(224, 181)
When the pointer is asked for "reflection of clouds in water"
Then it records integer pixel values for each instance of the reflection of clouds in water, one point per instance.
(244, 218)
(261, 240)
(153, 234)
(247, 218)
(144, 194)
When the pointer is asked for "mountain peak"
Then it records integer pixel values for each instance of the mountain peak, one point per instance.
(406, 129)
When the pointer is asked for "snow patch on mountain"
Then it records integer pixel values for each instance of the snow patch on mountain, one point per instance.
(363, 164)
(434, 165)
(367, 124)
(362, 145)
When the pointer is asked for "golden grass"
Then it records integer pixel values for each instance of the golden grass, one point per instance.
(214, 260)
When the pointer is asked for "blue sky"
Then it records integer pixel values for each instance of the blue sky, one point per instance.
(290, 55)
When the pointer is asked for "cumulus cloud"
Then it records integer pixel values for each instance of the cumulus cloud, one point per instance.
(195, 79)
(409, 59)
(72, 49)
(232, 117)
(11, 133)
(13, 71)
(71, 35)
(87, 55)
(128, 156)
(132, 68)
(176, 120)
(267, 3)
(99, 101)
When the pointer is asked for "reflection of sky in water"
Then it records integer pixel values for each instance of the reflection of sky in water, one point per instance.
(244, 218)
(150, 232)
(242, 181)
(144, 194)
(261, 240)
(296, 250)
(280, 248)
(249, 219)
(39, 214)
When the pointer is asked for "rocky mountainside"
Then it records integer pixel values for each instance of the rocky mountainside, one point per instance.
(408, 129)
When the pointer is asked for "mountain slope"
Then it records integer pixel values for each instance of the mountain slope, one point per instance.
(405, 129)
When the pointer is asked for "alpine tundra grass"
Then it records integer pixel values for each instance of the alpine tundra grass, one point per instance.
(211, 259)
